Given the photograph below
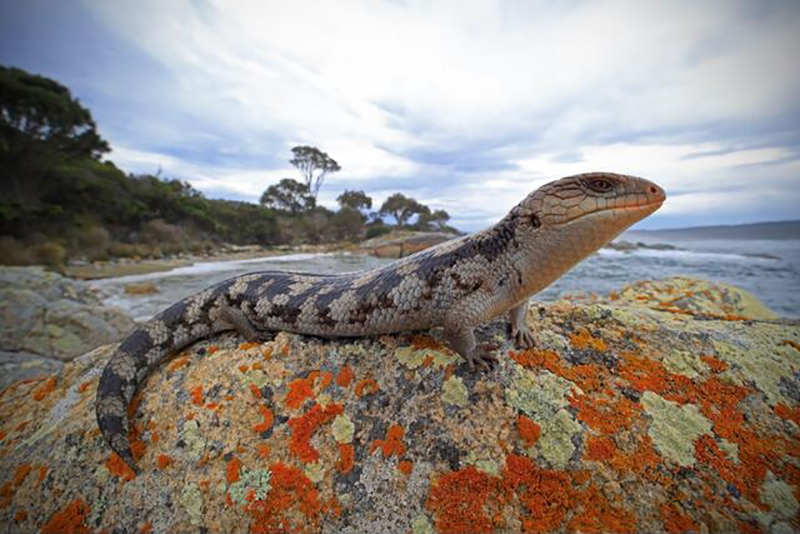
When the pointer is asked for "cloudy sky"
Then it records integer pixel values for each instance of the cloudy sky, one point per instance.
(464, 105)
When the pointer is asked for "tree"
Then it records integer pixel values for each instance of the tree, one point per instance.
(433, 221)
(41, 124)
(35, 110)
(355, 200)
(402, 208)
(288, 195)
(314, 166)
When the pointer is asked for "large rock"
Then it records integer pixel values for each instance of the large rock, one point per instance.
(402, 244)
(625, 418)
(47, 314)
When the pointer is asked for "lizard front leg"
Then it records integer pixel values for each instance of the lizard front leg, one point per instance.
(231, 318)
(520, 333)
(459, 329)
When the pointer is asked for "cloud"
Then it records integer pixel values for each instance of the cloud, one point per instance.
(466, 105)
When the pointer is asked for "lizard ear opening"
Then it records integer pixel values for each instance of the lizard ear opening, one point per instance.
(535, 222)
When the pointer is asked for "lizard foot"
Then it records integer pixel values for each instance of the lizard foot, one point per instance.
(523, 338)
(481, 358)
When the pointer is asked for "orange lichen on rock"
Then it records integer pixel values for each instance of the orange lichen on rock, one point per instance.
(147, 528)
(197, 395)
(249, 345)
(304, 426)
(603, 415)
(177, 363)
(675, 521)
(584, 340)
(71, 519)
(42, 474)
(790, 414)
(255, 391)
(598, 515)
(263, 450)
(599, 448)
(6, 494)
(21, 474)
(212, 349)
(45, 389)
(459, 501)
(117, 467)
(345, 376)
(645, 374)
(232, 470)
(163, 461)
(716, 365)
(529, 431)
(20, 516)
(291, 505)
(244, 368)
(267, 419)
(393, 444)
(545, 494)
(347, 456)
(83, 387)
(300, 390)
(405, 467)
(589, 377)
(366, 387)
(420, 342)
(794, 344)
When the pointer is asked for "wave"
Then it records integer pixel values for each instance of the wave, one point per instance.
(207, 267)
(690, 255)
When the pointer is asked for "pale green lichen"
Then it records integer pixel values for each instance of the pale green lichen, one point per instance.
(731, 449)
(778, 495)
(195, 443)
(455, 392)
(684, 363)
(256, 480)
(544, 397)
(761, 359)
(555, 442)
(482, 462)
(422, 525)
(675, 428)
(258, 378)
(343, 429)
(414, 358)
(538, 395)
(314, 472)
(191, 501)
(323, 399)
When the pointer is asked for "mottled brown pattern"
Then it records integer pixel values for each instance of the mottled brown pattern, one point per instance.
(457, 285)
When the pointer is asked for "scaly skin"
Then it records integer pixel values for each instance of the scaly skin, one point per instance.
(456, 285)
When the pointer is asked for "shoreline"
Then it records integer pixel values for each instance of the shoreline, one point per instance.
(120, 268)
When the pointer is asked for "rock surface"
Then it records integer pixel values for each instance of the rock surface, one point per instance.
(628, 417)
(402, 244)
(46, 319)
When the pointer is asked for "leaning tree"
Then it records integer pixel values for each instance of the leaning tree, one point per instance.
(314, 165)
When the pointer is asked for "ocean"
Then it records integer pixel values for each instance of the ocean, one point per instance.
(769, 269)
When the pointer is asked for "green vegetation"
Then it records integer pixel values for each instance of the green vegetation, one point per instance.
(61, 202)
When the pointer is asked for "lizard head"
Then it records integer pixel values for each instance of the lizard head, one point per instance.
(597, 206)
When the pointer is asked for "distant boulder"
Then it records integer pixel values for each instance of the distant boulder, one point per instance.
(402, 244)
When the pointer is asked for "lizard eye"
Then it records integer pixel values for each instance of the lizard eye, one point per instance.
(601, 185)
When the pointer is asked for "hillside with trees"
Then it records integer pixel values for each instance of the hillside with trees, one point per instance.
(60, 201)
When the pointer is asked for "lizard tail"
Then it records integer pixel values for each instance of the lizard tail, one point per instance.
(141, 352)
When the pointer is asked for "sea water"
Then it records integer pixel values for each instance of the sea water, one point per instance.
(769, 269)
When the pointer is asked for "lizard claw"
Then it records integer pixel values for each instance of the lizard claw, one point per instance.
(481, 358)
(523, 339)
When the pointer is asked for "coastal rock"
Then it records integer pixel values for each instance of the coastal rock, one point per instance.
(147, 288)
(49, 315)
(624, 418)
(401, 244)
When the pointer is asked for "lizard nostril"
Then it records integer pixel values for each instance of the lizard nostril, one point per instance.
(653, 190)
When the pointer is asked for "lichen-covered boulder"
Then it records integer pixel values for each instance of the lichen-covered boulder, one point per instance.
(625, 418)
(47, 314)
